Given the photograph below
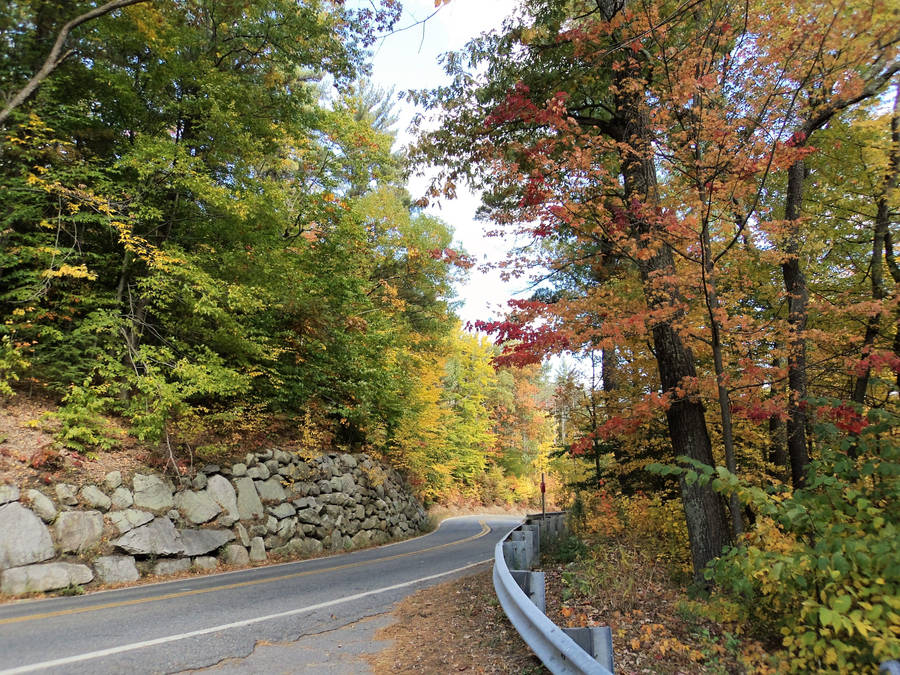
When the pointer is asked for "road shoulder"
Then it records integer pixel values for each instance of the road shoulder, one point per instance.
(456, 626)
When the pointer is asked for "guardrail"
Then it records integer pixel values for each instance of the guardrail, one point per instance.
(575, 651)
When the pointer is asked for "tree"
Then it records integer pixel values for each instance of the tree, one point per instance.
(653, 147)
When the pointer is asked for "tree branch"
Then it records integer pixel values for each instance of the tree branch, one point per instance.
(56, 56)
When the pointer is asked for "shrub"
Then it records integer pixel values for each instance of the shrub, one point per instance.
(83, 427)
(821, 567)
(12, 363)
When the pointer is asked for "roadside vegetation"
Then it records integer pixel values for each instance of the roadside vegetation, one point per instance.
(206, 244)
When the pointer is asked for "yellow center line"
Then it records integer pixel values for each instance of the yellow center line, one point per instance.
(242, 584)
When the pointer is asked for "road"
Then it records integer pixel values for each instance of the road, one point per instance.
(200, 621)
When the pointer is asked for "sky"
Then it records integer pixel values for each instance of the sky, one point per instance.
(408, 59)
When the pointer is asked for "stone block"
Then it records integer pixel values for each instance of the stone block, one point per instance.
(360, 539)
(112, 480)
(200, 542)
(152, 493)
(24, 538)
(257, 550)
(271, 490)
(205, 562)
(42, 505)
(197, 507)
(78, 531)
(66, 494)
(287, 528)
(222, 493)
(8, 493)
(44, 577)
(116, 569)
(122, 498)
(95, 498)
(242, 537)
(282, 510)
(235, 554)
(156, 538)
(248, 502)
(172, 566)
(129, 519)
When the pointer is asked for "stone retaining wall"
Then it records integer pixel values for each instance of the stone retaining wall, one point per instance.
(273, 502)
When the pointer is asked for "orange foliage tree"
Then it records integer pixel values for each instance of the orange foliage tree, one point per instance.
(651, 159)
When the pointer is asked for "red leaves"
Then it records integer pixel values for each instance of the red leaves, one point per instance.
(535, 193)
(844, 417)
(877, 361)
(452, 257)
(759, 411)
(516, 106)
(45, 457)
(523, 345)
(796, 140)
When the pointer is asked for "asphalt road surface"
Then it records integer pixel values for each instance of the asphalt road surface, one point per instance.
(200, 621)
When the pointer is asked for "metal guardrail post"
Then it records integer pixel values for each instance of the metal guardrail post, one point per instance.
(514, 555)
(596, 641)
(528, 537)
(535, 530)
(533, 584)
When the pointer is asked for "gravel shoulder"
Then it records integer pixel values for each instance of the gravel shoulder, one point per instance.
(456, 626)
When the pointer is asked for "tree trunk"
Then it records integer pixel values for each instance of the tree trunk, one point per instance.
(778, 439)
(712, 306)
(873, 324)
(798, 299)
(879, 245)
(608, 361)
(894, 269)
(778, 447)
(707, 525)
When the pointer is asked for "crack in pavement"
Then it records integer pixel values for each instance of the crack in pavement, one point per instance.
(333, 651)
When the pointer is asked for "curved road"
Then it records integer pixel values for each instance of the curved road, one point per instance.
(200, 621)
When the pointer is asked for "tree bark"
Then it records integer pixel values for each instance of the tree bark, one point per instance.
(894, 269)
(609, 364)
(798, 300)
(778, 439)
